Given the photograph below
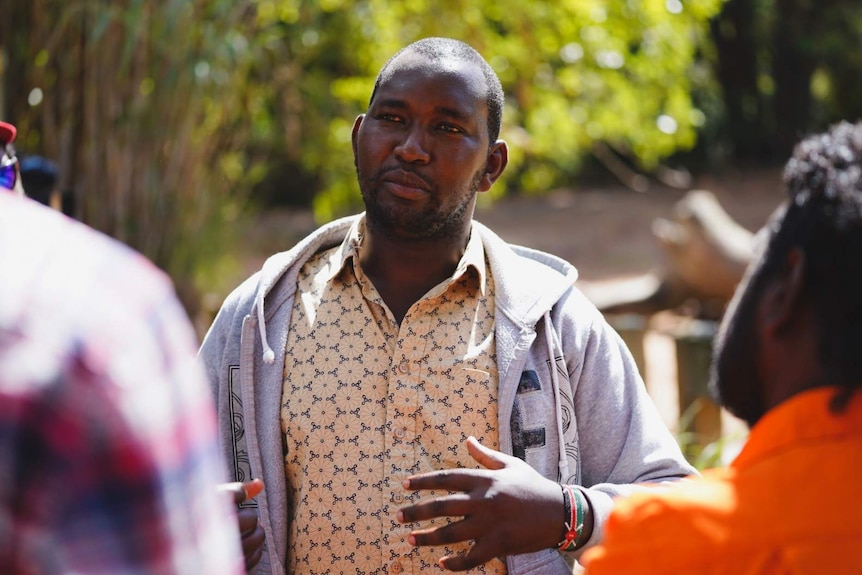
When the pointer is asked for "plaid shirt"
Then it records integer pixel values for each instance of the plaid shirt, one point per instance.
(108, 455)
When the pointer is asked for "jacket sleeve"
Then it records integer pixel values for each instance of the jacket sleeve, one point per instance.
(622, 438)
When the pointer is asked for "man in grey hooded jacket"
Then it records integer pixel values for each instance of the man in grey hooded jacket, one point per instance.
(412, 389)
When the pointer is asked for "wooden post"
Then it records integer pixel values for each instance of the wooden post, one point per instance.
(700, 416)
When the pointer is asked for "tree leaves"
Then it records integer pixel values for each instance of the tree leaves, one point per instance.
(574, 72)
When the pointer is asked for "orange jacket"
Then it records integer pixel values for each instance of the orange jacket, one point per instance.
(791, 502)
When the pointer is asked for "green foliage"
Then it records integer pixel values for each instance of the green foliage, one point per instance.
(785, 68)
(704, 453)
(575, 72)
(165, 113)
(836, 84)
(147, 106)
(711, 454)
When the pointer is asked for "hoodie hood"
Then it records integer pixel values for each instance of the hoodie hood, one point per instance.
(531, 281)
(286, 265)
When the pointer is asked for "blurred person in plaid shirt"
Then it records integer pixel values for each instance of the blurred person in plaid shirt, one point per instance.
(108, 454)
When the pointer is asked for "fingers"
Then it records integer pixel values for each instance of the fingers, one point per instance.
(234, 490)
(455, 479)
(471, 528)
(467, 529)
(242, 491)
(463, 479)
(447, 480)
(455, 505)
(247, 519)
(252, 488)
(459, 531)
(251, 533)
(445, 534)
(253, 559)
(252, 536)
(488, 458)
(477, 555)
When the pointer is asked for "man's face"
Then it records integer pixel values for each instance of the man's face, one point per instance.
(421, 151)
(735, 369)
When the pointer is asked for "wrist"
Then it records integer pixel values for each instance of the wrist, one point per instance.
(575, 509)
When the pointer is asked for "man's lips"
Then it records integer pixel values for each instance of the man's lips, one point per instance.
(405, 184)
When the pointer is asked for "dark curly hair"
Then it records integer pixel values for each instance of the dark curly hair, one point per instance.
(823, 218)
(438, 49)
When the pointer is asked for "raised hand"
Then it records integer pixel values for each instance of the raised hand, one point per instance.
(250, 531)
(507, 508)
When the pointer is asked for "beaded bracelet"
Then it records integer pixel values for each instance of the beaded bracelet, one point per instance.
(574, 505)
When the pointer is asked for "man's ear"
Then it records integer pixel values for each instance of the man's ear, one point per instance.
(355, 133)
(498, 158)
(782, 302)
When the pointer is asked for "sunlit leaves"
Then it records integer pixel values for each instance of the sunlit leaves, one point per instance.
(574, 71)
(293, 74)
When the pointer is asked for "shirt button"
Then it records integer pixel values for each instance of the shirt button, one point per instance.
(395, 567)
(404, 366)
(399, 433)
(397, 498)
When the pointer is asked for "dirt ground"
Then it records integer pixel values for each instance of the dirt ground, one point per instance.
(604, 231)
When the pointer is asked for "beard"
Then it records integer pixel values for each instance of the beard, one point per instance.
(434, 221)
(735, 380)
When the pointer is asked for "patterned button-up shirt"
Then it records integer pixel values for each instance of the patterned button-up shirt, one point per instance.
(368, 402)
(108, 454)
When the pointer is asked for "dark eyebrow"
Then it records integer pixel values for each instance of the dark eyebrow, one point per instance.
(453, 113)
(392, 103)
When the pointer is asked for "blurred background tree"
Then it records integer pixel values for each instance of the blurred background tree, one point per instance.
(147, 108)
(784, 68)
(170, 118)
(575, 73)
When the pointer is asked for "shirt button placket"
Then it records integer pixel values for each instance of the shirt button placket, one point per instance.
(402, 451)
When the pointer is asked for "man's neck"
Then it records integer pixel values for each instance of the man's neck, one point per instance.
(402, 272)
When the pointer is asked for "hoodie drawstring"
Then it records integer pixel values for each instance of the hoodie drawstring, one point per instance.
(268, 354)
(563, 463)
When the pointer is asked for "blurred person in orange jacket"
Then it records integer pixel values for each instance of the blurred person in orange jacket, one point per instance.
(788, 361)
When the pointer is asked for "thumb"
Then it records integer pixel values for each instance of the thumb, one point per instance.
(487, 457)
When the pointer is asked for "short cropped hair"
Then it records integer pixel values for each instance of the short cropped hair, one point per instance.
(440, 49)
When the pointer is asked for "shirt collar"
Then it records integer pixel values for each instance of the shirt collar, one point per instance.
(348, 251)
(473, 257)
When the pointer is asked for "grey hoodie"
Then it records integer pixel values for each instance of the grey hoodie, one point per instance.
(590, 419)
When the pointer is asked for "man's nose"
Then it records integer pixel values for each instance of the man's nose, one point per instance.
(412, 147)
